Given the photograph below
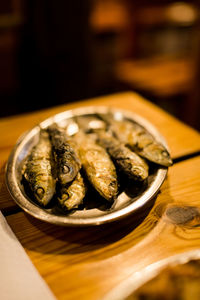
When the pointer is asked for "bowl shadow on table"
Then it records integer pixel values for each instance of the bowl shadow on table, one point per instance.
(118, 235)
(85, 239)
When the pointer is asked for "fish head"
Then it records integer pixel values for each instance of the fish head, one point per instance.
(63, 195)
(44, 191)
(68, 171)
(107, 187)
(158, 154)
(68, 199)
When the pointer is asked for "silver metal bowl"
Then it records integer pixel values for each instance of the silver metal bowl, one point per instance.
(124, 205)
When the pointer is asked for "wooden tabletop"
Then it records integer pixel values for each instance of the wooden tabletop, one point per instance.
(87, 263)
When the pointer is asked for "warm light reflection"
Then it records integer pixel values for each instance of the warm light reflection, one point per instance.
(118, 116)
(182, 12)
(96, 124)
(72, 128)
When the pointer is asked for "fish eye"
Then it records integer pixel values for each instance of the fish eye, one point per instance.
(40, 192)
(65, 196)
(164, 153)
(65, 169)
(112, 184)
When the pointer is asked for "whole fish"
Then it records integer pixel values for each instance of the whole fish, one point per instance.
(71, 195)
(64, 149)
(128, 161)
(139, 140)
(98, 166)
(38, 170)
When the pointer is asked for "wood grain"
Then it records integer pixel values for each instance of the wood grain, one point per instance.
(182, 140)
(87, 263)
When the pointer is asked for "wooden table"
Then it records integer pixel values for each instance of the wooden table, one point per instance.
(86, 263)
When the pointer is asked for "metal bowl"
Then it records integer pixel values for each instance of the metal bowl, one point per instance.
(124, 205)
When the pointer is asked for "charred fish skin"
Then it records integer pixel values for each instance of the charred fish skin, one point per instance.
(98, 167)
(39, 171)
(139, 140)
(67, 161)
(71, 195)
(129, 162)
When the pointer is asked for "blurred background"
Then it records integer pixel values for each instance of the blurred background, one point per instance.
(55, 52)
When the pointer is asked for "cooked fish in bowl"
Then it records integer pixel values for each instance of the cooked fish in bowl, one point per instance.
(80, 167)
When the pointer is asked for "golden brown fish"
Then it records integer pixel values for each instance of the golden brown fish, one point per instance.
(38, 170)
(128, 161)
(67, 161)
(71, 195)
(98, 166)
(139, 140)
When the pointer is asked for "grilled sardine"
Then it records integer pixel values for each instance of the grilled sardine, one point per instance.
(98, 166)
(67, 161)
(38, 170)
(139, 140)
(71, 195)
(128, 161)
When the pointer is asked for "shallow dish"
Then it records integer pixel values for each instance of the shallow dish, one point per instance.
(129, 200)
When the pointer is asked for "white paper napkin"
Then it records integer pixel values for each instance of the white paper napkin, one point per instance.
(19, 279)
